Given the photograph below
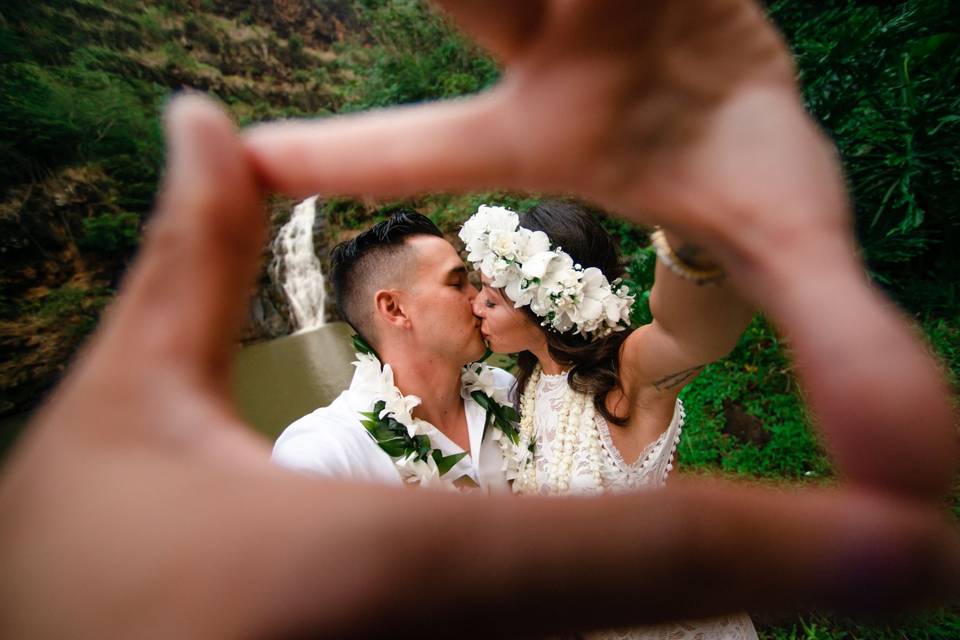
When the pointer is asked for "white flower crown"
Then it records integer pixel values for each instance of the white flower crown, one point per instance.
(521, 262)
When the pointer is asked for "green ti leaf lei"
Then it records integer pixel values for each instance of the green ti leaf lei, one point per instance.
(392, 436)
(504, 417)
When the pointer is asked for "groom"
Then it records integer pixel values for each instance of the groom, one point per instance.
(404, 290)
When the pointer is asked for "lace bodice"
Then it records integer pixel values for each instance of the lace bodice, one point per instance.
(650, 470)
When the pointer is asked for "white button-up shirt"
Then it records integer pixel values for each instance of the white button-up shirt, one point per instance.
(332, 442)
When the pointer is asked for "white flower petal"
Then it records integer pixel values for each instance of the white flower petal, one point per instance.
(536, 265)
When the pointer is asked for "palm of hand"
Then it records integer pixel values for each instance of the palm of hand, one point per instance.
(685, 115)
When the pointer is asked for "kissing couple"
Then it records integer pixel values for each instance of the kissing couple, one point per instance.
(594, 407)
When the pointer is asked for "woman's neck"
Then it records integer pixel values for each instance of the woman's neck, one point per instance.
(547, 364)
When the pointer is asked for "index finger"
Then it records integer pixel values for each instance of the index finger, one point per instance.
(451, 145)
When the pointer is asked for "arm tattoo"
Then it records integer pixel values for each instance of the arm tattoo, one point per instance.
(674, 380)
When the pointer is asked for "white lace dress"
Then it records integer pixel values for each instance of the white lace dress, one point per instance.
(649, 471)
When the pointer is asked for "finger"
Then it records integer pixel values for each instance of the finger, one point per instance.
(503, 27)
(451, 145)
(185, 297)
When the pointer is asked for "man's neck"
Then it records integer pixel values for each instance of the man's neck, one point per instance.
(437, 384)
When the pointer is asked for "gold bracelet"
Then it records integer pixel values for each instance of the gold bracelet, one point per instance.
(677, 265)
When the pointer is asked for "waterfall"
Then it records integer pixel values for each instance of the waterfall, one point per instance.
(296, 269)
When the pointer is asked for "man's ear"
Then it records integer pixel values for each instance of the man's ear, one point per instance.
(389, 310)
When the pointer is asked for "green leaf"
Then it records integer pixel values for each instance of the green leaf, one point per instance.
(481, 399)
(509, 413)
(508, 429)
(362, 346)
(395, 448)
(445, 463)
(422, 446)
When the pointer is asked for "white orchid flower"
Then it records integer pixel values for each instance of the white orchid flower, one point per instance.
(481, 378)
(497, 218)
(532, 243)
(401, 408)
(504, 243)
(422, 472)
(536, 265)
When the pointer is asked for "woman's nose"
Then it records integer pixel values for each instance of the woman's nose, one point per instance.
(477, 306)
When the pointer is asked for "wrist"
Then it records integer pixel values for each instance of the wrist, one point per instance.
(690, 253)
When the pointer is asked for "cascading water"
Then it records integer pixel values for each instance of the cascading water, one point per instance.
(296, 268)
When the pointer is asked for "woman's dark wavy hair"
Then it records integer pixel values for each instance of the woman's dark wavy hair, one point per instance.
(594, 365)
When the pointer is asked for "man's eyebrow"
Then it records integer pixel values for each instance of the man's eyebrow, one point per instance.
(461, 270)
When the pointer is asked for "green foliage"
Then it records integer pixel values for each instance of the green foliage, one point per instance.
(884, 80)
(448, 211)
(109, 233)
(943, 624)
(757, 378)
(72, 104)
(416, 56)
(75, 309)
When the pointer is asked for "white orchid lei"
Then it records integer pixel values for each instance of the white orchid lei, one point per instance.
(522, 263)
(403, 437)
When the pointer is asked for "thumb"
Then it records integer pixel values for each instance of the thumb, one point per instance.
(184, 299)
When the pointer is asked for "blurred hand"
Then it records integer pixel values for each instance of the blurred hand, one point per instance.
(679, 113)
(138, 504)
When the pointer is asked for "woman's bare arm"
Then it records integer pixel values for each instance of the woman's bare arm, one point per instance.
(693, 325)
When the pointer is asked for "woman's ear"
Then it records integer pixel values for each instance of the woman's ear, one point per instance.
(388, 308)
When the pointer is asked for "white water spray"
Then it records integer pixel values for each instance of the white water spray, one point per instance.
(296, 268)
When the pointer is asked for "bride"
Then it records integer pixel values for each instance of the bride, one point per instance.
(599, 400)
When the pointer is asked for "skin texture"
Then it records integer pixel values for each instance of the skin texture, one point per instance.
(506, 328)
(426, 331)
(138, 505)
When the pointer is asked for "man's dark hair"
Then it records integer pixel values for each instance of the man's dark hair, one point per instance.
(360, 266)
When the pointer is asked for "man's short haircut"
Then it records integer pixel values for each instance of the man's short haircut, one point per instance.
(372, 261)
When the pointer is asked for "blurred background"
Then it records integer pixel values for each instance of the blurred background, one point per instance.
(82, 83)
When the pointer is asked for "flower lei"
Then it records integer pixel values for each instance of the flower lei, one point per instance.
(567, 296)
(403, 437)
(576, 423)
(576, 417)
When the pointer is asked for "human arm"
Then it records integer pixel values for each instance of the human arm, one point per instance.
(694, 323)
